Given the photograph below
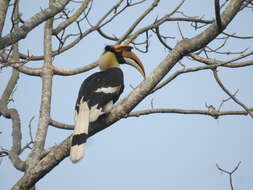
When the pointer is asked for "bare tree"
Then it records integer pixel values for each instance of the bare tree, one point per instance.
(59, 22)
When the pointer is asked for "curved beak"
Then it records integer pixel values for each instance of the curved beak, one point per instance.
(130, 57)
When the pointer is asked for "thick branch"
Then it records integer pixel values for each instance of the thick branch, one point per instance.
(9, 61)
(3, 10)
(10, 87)
(44, 118)
(49, 161)
(16, 135)
(13, 113)
(64, 72)
(28, 70)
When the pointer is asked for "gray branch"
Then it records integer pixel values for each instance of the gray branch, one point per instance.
(230, 94)
(47, 75)
(31, 23)
(229, 173)
(11, 112)
(3, 10)
(215, 114)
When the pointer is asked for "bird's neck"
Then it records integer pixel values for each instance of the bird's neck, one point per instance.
(107, 61)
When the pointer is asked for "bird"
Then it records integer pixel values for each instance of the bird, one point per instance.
(99, 92)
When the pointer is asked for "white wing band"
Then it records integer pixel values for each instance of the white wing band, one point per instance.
(108, 90)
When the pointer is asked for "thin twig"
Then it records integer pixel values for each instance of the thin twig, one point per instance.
(230, 173)
(215, 74)
(217, 14)
(138, 20)
(227, 99)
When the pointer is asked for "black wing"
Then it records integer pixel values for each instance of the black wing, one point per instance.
(104, 79)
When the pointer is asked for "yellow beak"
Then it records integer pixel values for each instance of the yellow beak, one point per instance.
(134, 61)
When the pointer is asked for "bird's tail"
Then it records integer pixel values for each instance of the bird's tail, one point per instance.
(80, 133)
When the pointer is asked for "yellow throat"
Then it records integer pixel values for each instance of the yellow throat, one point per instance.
(108, 60)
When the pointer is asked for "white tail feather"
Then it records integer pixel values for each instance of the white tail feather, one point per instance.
(81, 126)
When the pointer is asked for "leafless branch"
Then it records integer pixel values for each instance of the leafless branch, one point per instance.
(138, 20)
(235, 36)
(160, 21)
(3, 11)
(135, 3)
(99, 24)
(224, 52)
(34, 21)
(12, 113)
(28, 145)
(187, 70)
(230, 173)
(215, 73)
(47, 75)
(227, 99)
(3, 152)
(215, 114)
(230, 63)
(19, 65)
(113, 38)
(157, 32)
(217, 14)
(73, 18)
(64, 72)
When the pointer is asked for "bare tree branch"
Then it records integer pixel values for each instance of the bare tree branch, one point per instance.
(31, 23)
(27, 146)
(162, 20)
(13, 113)
(47, 75)
(230, 94)
(231, 64)
(99, 24)
(63, 72)
(235, 36)
(139, 19)
(217, 14)
(73, 18)
(215, 114)
(51, 160)
(227, 99)
(212, 64)
(3, 10)
(230, 173)
(99, 30)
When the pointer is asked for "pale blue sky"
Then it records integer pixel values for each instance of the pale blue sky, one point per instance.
(161, 151)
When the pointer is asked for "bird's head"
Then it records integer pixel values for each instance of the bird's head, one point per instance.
(120, 54)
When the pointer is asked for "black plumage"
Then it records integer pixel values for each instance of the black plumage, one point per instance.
(109, 78)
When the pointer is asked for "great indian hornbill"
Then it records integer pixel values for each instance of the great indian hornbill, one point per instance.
(99, 92)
